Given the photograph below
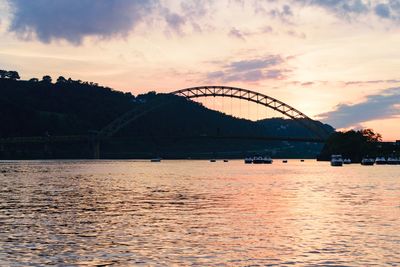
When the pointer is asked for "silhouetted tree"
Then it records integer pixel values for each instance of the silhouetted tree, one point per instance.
(352, 144)
(3, 74)
(371, 136)
(61, 79)
(13, 75)
(46, 79)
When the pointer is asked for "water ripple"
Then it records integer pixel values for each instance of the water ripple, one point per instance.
(196, 213)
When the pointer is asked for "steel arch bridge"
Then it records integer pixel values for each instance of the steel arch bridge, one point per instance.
(258, 98)
(220, 91)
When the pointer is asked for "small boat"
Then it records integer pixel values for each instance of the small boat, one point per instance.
(367, 161)
(284, 161)
(393, 161)
(347, 161)
(302, 160)
(380, 161)
(336, 160)
(267, 160)
(155, 160)
(225, 160)
(258, 160)
(248, 160)
(213, 160)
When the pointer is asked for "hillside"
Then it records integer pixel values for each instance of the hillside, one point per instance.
(68, 107)
(36, 108)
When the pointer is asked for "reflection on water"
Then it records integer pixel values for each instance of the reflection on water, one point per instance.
(198, 213)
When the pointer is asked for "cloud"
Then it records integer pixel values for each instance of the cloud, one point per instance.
(307, 83)
(283, 14)
(389, 10)
(253, 76)
(267, 29)
(252, 70)
(249, 76)
(215, 75)
(72, 20)
(174, 21)
(382, 10)
(380, 106)
(252, 64)
(371, 82)
(342, 7)
(276, 74)
(300, 35)
(196, 8)
(235, 33)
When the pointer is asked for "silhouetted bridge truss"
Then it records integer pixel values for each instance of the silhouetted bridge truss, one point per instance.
(119, 123)
(258, 98)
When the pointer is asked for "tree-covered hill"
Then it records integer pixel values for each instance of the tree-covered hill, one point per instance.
(68, 107)
(29, 108)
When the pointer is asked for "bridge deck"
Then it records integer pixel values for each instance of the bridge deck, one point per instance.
(83, 138)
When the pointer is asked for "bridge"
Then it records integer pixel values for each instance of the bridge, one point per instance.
(109, 131)
(258, 98)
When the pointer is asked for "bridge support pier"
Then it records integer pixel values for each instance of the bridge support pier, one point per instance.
(47, 150)
(96, 149)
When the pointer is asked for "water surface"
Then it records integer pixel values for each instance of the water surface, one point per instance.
(198, 213)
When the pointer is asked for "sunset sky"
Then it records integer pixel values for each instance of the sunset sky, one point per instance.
(335, 60)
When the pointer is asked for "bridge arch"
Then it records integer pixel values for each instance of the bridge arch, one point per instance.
(223, 91)
(258, 98)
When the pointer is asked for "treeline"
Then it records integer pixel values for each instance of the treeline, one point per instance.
(73, 107)
(37, 108)
(14, 75)
(358, 144)
(9, 74)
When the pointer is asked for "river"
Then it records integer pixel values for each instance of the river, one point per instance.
(198, 213)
